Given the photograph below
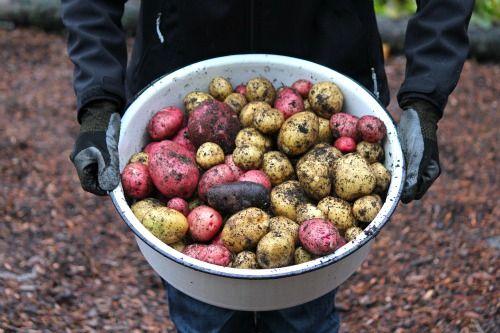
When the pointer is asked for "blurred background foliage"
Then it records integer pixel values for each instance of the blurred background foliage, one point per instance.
(486, 12)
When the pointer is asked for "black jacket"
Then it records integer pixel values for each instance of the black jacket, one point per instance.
(340, 34)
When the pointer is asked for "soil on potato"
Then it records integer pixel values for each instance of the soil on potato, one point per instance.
(68, 263)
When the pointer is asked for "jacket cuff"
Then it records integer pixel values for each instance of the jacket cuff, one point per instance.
(424, 90)
(99, 93)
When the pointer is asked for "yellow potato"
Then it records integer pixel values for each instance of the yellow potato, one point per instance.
(244, 229)
(352, 233)
(366, 208)
(314, 177)
(245, 259)
(382, 176)
(302, 256)
(277, 167)
(372, 152)
(298, 133)
(220, 88)
(166, 224)
(324, 131)
(249, 111)
(247, 157)
(209, 154)
(326, 99)
(141, 157)
(179, 246)
(268, 120)
(308, 211)
(260, 89)
(275, 249)
(353, 177)
(338, 211)
(284, 224)
(140, 208)
(194, 99)
(250, 136)
(285, 197)
(236, 102)
(307, 105)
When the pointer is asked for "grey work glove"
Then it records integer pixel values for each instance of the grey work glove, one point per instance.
(417, 134)
(95, 154)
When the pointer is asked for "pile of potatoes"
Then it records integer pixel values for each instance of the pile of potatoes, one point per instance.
(254, 177)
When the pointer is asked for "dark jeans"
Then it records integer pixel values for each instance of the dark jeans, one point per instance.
(192, 316)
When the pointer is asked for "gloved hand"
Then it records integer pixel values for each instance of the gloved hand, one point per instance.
(95, 154)
(417, 133)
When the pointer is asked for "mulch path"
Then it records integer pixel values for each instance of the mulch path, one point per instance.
(69, 264)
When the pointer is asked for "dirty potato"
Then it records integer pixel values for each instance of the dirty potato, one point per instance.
(248, 112)
(268, 121)
(220, 88)
(166, 224)
(353, 232)
(247, 157)
(338, 211)
(324, 131)
(284, 224)
(382, 176)
(353, 177)
(366, 208)
(275, 249)
(236, 102)
(277, 167)
(140, 208)
(302, 256)
(244, 229)
(141, 157)
(314, 178)
(260, 89)
(250, 136)
(245, 260)
(298, 133)
(372, 152)
(308, 211)
(209, 154)
(179, 246)
(326, 99)
(194, 99)
(285, 198)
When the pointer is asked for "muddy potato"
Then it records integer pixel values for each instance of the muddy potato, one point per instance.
(353, 177)
(194, 99)
(141, 157)
(236, 102)
(179, 246)
(352, 233)
(220, 88)
(302, 256)
(260, 89)
(284, 224)
(324, 153)
(277, 167)
(314, 178)
(307, 105)
(166, 224)
(285, 198)
(326, 99)
(372, 152)
(275, 249)
(140, 208)
(244, 229)
(366, 208)
(233, 197)
(324, 131)
(382, 176)
(247, 157)
(298, 133)
(209, 154)
(268, 121)
(246, 260)
(250, 136)
(338, 211)
(249, 111)
(308, 211)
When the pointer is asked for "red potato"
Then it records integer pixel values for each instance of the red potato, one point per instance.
(341, 242)
(219, 174)
(241, 89)
(344, 124)
(237, 171)
(136, 180)
(212, 253)
(217, 239)
(371, 129)
(288, 102)
(182, 139)
(256, 176)
(149, 147)
(319, 236)
(216, 122)
(173, 169)
(345, 144)
(302, 87)
(204, 223)
(179, 205)
(165, 123)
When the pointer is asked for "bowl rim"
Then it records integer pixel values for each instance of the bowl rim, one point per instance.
(389, 206)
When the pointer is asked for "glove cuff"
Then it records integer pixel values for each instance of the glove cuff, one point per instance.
(428, 117)
(95, 116)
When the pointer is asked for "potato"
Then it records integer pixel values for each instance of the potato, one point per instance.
(179, 205)
(241, 89)
(301, 256)
(325, 154)
(338, 211)
(366, 208)
(314, 178)
(244, 229)
(275, 249)
(303, 87)
(140, 208)
(284, 224)
(236, 102)
(319, 236)
(371, 129)
(212, 253)
(219, 174)
(288, 102)
(260, 89)
(209, 154)
(344, 124)
(345, 144)
(382, 176)
(307, 105)
(352, 233)
(372, 152)
(326, 99)
(173, 170)
(194, 203)
(166, 224)
(178, 246)
(194, 99)
(246, 260)
(298, 133)
(220, 88)
(277, 167)
(268, 121)
(324, 131)
(204, 223)
(228, 160)
(250, 136)
(140, 157)
(136, 180)
(256, 176)
(165, 123)
(308, 211)
(233, 197)
(247, 157)
(213, 121)
(353, 177)
(249, 111)
(181, 138)
(285, 197)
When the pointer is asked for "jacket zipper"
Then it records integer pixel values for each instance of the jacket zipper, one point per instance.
(252, 10)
